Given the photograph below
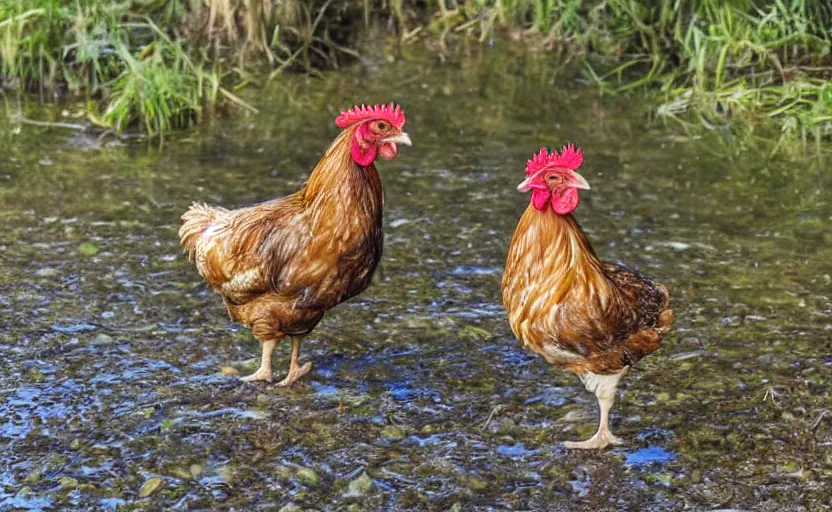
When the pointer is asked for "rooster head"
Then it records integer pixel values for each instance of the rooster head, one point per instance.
(378, 131)
(553, 180)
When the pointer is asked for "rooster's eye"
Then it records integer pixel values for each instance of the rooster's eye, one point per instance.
(382, 126)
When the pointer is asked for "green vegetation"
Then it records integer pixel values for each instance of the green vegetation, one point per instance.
(155, 64)
(160, 63)
(768, 63)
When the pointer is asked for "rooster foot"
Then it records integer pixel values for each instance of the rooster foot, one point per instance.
(260, 374)
(601, 440)
(295, 373)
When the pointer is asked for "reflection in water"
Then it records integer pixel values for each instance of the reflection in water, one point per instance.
(115, 352)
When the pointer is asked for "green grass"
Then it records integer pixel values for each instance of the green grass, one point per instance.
(103, 51)
(759, 65)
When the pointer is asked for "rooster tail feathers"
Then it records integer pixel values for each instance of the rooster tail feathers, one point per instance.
(194, 222)
(665, 320)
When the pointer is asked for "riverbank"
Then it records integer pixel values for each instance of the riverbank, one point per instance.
(760, 68)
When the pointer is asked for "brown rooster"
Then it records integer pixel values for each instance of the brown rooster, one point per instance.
(280, 265)
(593, 318)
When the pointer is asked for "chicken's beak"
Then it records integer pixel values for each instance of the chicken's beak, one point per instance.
(526, 185)
(401, 138)
(578, 181)
(575, 181)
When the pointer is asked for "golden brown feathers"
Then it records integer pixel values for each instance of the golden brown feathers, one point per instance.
(281, 264)
(574, 310)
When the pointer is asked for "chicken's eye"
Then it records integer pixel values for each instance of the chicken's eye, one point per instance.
(381, 126)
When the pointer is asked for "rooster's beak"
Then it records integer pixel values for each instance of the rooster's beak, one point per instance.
(526, 185)
(575, 181)
(578, 181)
(401, 138)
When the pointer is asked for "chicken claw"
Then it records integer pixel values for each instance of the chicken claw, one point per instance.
(295, 373)
(260, 374)
(265, 370)
(604, 387)
(599, 441)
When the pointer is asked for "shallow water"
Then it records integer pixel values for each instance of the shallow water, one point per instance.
(113, 395)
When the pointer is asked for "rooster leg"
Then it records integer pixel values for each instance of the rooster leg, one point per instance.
(265, 370)
(604, 387)
(295, 371)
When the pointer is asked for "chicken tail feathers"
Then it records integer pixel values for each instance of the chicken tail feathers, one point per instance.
(194, 222)
(665, 319)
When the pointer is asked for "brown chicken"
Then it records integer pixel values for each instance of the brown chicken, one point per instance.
(593, 318)
(280, 265)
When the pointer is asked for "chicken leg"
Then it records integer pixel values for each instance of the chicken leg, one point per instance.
(604, 387)
(295, 371)
(265, 370)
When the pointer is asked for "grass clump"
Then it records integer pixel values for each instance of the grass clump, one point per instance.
(104, 51)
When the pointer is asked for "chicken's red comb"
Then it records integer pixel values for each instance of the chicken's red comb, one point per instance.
(569, 158)
(392, 113)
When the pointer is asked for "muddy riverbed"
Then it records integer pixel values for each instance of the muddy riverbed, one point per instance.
(117, 387)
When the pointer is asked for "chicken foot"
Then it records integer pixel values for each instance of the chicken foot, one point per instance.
(295, 371)
(604, 387)
(265, 370)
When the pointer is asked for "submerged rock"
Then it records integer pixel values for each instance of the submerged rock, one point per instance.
(308, 476)
(152, 485)
(360, 486)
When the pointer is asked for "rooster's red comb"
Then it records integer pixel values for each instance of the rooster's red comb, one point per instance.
(392, 113)
(569, 158)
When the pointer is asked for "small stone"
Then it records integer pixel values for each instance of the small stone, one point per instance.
(307, 476)
(477, 484)
(283, 473)
(695, 476)
(152, 485)
(226, 473)
(360, 486)
(393, 432)
(181, 473)
(34, 476)
(573, 417)
(229, 370)
(68, 482)
(102, 339)
(196, 470)
(290, 507)
(88, 249)
(46, 272)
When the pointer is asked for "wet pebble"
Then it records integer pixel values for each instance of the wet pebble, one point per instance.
(393, 432)
(152, 485)
(67, 482)
(308, 477)
(360, 486)
(102, 339)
